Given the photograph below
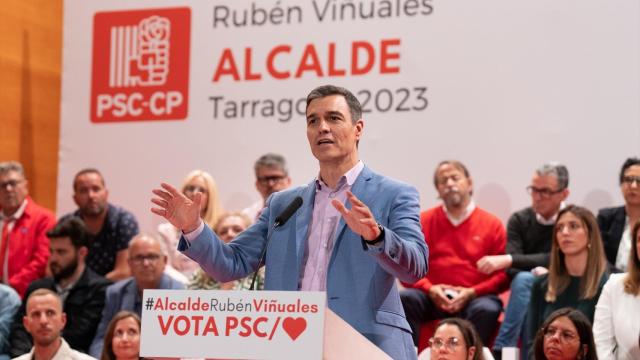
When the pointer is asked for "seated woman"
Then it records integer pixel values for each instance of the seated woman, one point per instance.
(197, 181)
(227, 228)
(456, 339)
(617, 319)
(577, 271)
(122, 340)
(566, 335)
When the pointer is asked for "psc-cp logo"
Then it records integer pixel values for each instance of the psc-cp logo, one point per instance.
(140, 65)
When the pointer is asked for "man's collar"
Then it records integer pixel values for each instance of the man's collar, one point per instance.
(552, 220)
(465, 215)
(17, 214)
(349, 177)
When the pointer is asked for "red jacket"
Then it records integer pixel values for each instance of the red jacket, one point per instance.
(29, 246)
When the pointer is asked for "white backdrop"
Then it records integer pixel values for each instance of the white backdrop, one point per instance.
(510, 85)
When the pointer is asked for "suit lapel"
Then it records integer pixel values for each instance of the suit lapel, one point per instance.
(303, 219)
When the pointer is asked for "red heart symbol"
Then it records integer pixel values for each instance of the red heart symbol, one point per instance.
(294, 327)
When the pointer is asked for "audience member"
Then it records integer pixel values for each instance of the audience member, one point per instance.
(122, 340)
(81, 290)
(529, 233)
(44, 320)
(271, 175)
(9, 304)
(458, 234)
(616, 222)
(147, 264)
(577, 271)
(24, 247)
(456, 339)
(565, 335)
(197, 181)
(617, 318)
(227, 228)
(111, 227)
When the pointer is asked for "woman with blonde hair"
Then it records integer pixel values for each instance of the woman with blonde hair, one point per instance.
(197, 181)
(577, 271)
(122, 339)
(617, 319)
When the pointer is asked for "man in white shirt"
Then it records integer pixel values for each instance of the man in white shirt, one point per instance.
(44, 320)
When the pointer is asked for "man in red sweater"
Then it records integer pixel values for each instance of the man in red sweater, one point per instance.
(24, 246)
(458, 234)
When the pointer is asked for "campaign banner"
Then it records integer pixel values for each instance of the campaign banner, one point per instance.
(153, 89)
(232, 324)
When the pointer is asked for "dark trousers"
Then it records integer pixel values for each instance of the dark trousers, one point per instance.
(482, 312)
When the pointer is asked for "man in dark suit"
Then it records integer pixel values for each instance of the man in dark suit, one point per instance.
(81, 290)
(147, 262)
(616, 222)
(356, 232)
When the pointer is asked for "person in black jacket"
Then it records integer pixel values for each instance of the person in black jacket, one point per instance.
(616, 222)
(81, 290)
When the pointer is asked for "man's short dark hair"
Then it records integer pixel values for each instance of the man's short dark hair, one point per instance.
(627, 164)
(88, 171)
(72, 227)
(271, 160)
(355, 109)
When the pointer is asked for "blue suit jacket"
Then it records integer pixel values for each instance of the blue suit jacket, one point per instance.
(361, 286)
(123, 295)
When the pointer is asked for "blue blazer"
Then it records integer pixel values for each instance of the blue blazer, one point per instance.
(123, 295)
(361, 285)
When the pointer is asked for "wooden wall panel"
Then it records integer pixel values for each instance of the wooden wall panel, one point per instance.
(30, 73)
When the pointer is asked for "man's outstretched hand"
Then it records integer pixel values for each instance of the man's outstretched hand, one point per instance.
(359, 218)
(178, 209)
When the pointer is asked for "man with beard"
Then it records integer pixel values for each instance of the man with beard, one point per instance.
(24, 248)
(44, 320)
(458, 234)
(147, 262)
(111, 227)
(81, 290)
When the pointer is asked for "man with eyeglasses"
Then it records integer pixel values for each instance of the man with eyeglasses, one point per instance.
(24, 247)
(616, 222)
(529, 234)
(271, 176)
(81, 290)
(111, 227)
(147, 263)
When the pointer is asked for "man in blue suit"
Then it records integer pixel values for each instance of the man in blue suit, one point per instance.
(356, 232)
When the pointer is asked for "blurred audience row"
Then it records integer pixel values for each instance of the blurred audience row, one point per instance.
(93, 264)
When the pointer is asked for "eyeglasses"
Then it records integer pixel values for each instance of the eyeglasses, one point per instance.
(544, 193)
(566, 336)
(629, 180)
(139, 259)
(451, 344)
(265, 180)
(12, 183)
(194, 188)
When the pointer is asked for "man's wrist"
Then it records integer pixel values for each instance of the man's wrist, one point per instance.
(191, 228)
(378, 239)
